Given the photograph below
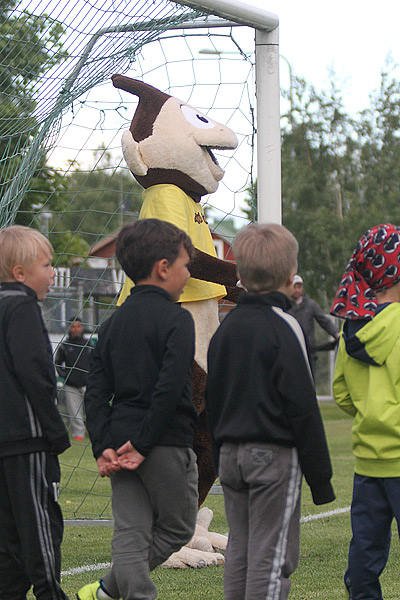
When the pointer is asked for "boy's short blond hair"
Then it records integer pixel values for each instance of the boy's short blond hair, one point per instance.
(266, 256)
(20, 245)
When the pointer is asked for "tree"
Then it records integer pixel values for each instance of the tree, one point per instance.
(29, 46)
(99, 200)
(340, 176)
(317, 147)
(379, 135)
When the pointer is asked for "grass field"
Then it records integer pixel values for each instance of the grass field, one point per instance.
(324, 541)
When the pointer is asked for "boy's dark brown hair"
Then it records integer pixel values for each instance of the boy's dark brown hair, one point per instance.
(143, 243)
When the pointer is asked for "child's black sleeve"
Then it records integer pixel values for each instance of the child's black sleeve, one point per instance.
(31, 356)
(296, 388)
(98, 398)
(174, 375)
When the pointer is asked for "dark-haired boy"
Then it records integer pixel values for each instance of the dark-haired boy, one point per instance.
(139, 411)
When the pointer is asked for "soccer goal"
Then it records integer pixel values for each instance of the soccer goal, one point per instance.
(61, 165)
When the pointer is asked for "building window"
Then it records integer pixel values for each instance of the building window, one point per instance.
(219, 248)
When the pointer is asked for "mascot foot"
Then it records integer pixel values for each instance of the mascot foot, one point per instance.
(203, 550)
(196, 559)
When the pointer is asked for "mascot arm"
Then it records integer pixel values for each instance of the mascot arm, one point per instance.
(209, 268)
(233, 293)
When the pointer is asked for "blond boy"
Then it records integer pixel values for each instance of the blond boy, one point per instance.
(32, 433)
(266, 425)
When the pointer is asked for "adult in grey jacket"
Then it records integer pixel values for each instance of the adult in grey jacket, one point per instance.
(72, 364)
(307, 311)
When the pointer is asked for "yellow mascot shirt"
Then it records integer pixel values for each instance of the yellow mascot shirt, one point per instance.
(169, 203)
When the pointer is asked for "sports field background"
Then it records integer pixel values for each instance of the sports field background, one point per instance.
(324, 541)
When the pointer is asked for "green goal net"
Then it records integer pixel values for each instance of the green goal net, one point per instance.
(61, 165)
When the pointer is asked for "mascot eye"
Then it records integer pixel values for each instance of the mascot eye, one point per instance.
(196, 118)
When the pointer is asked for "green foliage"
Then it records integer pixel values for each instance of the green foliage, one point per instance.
(317, 146)
(340, 176)
(251, 210)
(67, 248)
(99, 200)
(39, 209)
(78, 208)
(44, 196)
(380, 150)
(30, 45)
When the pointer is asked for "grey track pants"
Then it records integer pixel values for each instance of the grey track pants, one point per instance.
(74, 404)
(155, 509)
(261, 484)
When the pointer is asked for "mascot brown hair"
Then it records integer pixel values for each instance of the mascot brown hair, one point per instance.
(168, 149)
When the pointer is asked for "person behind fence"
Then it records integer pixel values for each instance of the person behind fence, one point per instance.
(265, 420)
(366, 385)
(307, 311)
(143, 440)
(72, 364)
(32, 432)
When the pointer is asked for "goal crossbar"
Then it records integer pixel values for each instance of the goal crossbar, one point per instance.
(238, 12)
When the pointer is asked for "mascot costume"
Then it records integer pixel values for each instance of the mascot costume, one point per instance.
(168, 149)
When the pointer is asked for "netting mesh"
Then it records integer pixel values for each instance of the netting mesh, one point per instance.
(61, 166)
(60, 51)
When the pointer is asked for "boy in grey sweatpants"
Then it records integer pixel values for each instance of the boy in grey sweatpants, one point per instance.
(265, 421)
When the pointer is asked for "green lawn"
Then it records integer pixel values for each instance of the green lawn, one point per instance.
(324, 542)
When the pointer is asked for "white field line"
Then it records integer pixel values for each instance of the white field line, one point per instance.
(322, 515)
(86, 568)
(306, 519)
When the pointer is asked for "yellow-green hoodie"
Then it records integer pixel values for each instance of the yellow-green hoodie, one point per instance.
(367, 386)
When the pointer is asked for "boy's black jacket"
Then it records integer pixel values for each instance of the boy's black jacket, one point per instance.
(139, 384)
(29, 418)
(260, 389)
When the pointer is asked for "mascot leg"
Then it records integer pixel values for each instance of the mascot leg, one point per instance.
(206, 321)
(203, 548)
(202, 437)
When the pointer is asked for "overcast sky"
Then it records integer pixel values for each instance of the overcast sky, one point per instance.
(352, 36)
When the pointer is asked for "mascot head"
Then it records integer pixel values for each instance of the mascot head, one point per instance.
(169, 141)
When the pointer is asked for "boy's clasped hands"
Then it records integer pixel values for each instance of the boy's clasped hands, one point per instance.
(126, 457)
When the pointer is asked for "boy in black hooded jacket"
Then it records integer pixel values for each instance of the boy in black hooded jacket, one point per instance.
(32, 432)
